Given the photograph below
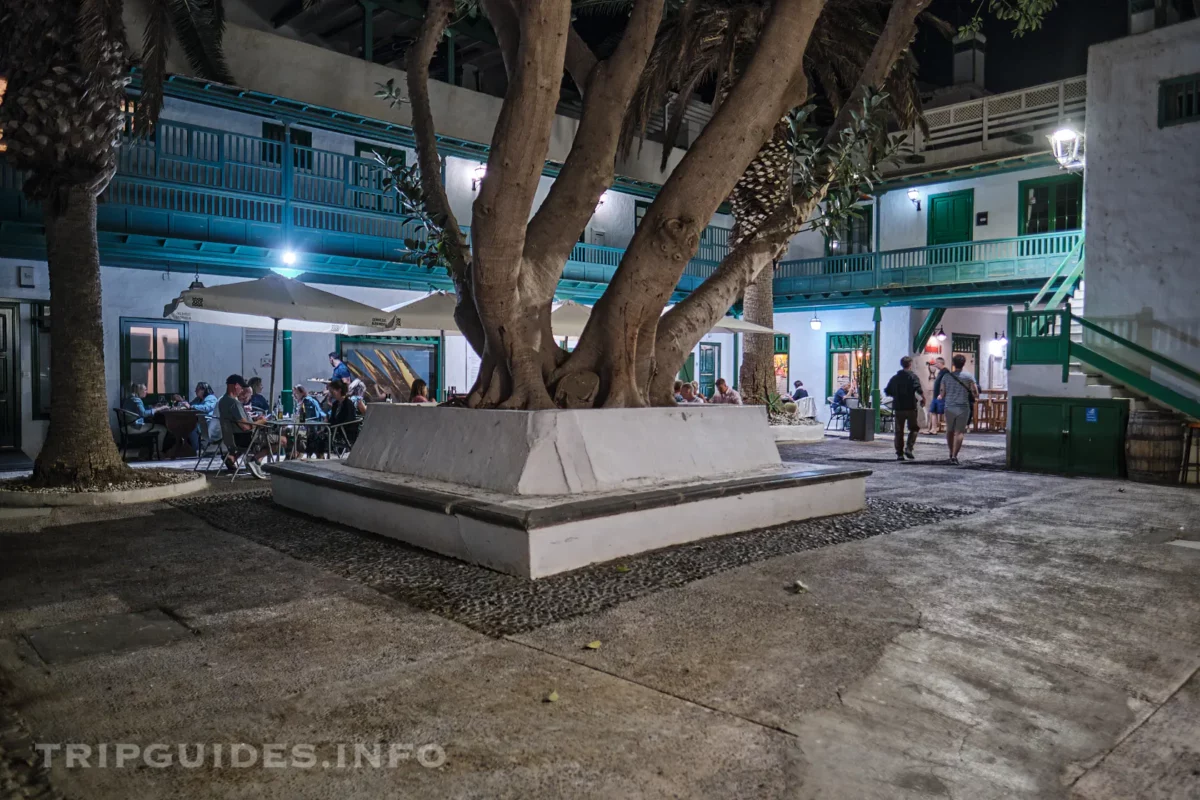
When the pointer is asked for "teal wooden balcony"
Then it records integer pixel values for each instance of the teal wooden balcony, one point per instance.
(976, 268)
(195, 197)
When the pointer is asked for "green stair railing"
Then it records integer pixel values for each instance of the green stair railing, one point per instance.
(1044, 337)
(1070, 270)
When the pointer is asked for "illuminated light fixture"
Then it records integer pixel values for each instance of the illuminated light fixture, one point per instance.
(1002, 338)
(288, 257)
(480, 172)
(1068, 146)
(915, 196)
(834, 244)
(287, 272)
(815, 322)
(941, 334)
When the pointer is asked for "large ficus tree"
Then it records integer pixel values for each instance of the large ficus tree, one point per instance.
(67, 65)
(629, 352)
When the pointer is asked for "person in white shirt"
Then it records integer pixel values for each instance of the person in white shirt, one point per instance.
(688, 393)
(725, 395)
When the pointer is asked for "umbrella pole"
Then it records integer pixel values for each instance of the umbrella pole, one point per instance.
(274, 350)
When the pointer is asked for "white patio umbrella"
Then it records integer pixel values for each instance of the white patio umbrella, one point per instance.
(570, 318)
(433, 313)
(277, 302)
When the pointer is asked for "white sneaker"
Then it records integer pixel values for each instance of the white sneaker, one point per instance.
(257, 469)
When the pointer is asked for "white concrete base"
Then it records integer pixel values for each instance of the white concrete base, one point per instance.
(128, 496)
(797, 434)
(536, 537)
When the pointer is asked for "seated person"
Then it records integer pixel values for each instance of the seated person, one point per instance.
(237, 427)
(257, 401)
(723, 395)
(342, 417)
(839, 397)
(358, 393)
(799, 392)
(307, 407)
(688, 394)
(419, 393)
(205, 402)
(678, 391)
(139, 416)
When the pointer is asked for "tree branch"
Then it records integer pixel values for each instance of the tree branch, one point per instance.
(589, 167)
(580, 60)
(457, 254)
(503, 17)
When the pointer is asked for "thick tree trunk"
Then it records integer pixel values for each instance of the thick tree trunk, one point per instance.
(79, 449)
(619, 342)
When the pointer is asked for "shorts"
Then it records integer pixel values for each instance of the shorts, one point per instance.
(957, 419)
(241, 439)
(937, 407)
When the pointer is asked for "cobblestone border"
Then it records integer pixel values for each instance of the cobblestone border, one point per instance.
(497, 604)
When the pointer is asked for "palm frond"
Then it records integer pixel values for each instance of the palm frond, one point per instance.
(100, 29)
(156, 41)
(199, 26)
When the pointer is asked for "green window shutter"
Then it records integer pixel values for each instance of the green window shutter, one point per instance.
(848, 342)
(783, 344)
(1179, 100)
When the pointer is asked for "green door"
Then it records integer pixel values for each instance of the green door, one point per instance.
(688, 373)
(1038, 434)
(1069, 436)
(951, 220)
(1097, 438)
(710, 356)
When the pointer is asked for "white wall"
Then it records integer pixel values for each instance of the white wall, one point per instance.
(902, 226)
(1143, 191)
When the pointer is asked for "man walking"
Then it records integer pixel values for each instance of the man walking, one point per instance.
(959, 391)
(904, 388)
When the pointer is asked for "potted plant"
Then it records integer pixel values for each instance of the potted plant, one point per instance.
(862, 419)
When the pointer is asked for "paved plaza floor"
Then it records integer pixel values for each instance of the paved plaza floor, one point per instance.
(974, 633)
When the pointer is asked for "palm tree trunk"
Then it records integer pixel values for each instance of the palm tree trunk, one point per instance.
(764, 187)
(79, 449)
(758, 353)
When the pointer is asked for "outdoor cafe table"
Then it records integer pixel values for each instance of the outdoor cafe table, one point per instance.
(282, 426)
(179, 422)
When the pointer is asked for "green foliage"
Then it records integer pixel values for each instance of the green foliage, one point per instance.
(774, 403)
(1027, 14)
(862, 378)
(852, 160)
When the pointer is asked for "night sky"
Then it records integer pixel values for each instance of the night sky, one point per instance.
(1057, 51)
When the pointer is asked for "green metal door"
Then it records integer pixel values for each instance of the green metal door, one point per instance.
(951, 220)
(710, 356)
(1069, 435)
(1097, 440)
(1038, 440)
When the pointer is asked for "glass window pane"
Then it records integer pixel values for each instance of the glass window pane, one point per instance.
(139, 372)
(167, 377)
(1037, 210)
(141, 342)
(168, 343)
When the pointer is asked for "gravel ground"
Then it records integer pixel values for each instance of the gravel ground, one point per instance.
(141, 479)
(21, 772)
(497, 604)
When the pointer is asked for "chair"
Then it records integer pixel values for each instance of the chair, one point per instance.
(126, 420)
(213, 448)
(230, 448)
(839, 416)
(342, 437)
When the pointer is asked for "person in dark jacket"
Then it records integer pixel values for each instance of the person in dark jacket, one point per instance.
(257, 401)
(904, 388)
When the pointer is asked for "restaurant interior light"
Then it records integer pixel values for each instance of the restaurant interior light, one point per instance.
(815, 322)
(941, 334)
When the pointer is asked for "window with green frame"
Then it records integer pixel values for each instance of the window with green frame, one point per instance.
(40, 353)
(1049, 205)
(1179, 100)
(781, 362)
(853, 237)
(273, 153)
(154, 352)
(842, 354)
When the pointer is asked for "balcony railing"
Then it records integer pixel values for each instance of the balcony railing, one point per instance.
(201, 184)
(1000, 121)
(1022, 257)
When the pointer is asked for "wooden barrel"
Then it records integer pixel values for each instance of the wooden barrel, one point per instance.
(1153, 447)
